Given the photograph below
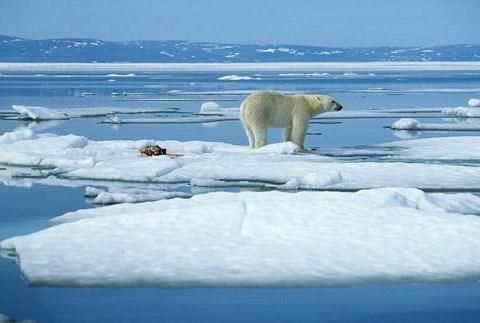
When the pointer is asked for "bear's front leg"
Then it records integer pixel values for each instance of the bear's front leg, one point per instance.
(299, 130)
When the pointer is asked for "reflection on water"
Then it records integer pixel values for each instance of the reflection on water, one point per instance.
(27, 208)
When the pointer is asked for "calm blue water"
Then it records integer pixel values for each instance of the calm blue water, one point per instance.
(28, 209)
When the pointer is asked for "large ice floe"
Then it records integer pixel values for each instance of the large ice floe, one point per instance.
(220, 164)
(42, 113)
(274, 239)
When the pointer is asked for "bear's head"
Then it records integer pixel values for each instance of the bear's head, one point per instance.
(324, 103)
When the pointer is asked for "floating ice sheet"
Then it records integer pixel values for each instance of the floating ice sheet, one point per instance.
(75, 157)
(42, 113)
(265, 239)
(128, 195)
(412, 124)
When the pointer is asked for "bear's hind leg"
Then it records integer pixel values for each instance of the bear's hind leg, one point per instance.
(287, 134)
(260, 135)
(250, 136)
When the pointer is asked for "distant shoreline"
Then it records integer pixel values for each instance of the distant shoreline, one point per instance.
(240, 67)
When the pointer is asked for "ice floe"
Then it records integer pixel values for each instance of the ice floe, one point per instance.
(235, 77)
(474, 102)
(214, 108)
(270, 239)
(128, 195)
(413, 124)
(42, 113)
(76, 157)
(462, 112)
(201, 118)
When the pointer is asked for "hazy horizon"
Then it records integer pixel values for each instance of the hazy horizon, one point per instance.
(256, 44)
(343, 23)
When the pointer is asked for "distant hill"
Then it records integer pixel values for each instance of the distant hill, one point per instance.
(15, 49)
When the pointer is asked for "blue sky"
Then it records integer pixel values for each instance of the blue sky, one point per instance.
(329, 23)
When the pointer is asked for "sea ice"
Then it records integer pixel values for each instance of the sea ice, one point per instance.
(42, 113)
(474, 102)
(462, 112)
(252, 239)
(75, 157)
(128, 195)
(235, 77)
(214, 108)
(412, 124)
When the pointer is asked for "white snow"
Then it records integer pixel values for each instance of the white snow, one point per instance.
(412, 124)
(313, 181)
(214, 108)
(201, 118)
(462, 112)
(256, 239)
(474, 102)
(120, 75)
(314, 74)
(406, 124)
(128, 195)
(235, 77)
(77, 157)
(17, 135)
(43, 113)
(39, 113)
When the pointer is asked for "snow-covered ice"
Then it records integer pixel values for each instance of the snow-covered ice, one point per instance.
(43, 113)
(76, 157)
(413, 124)
(201, 118)
(235, 77)
(474, 102)
(261, 239)
(462, 112)
(128, 195)
(214, 108)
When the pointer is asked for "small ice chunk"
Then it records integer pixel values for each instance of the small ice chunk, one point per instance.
(209, 107)
(235, 77)
(474, 102)
(313, 181)
(39, 113)
(405, 124)
(113, 119)
(92, 191)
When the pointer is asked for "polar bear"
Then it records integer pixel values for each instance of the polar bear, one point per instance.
(261, 110)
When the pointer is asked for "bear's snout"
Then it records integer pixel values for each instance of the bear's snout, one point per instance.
(338, 107)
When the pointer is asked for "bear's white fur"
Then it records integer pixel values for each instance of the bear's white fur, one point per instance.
(263, 110)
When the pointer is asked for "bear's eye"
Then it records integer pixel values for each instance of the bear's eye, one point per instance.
(318, 98)
(332, 101)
